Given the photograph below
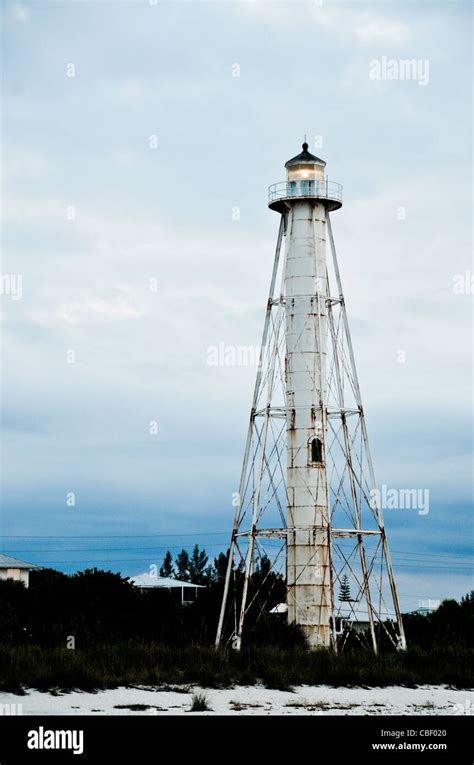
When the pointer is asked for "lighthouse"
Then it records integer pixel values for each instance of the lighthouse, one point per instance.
(304, 200)
(305, 501)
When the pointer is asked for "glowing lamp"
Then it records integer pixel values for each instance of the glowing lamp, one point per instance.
(305, 167)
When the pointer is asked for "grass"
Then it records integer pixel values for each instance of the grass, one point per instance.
(169, 667)
(199, 703)
(311, 707)
(139, 707)
(241, 706)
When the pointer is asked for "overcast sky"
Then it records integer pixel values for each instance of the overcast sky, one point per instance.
(131, 133)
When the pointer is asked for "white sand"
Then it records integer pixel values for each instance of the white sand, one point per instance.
(239, 700)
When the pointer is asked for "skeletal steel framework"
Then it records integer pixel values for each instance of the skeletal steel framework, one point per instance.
(345, 542)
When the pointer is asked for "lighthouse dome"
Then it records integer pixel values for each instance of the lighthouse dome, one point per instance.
(305, 158)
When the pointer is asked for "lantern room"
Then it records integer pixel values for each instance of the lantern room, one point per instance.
(305, 167)
(305, 180)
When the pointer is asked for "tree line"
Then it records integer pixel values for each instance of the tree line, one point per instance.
(94, 606)
(97, 607)
(194, 568)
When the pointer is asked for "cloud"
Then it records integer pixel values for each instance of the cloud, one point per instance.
(92, 310)
(130, 92)
(342, 21)
(268, 11)
(21, 163)
(370, 29)
(19, 13)
(166, 215)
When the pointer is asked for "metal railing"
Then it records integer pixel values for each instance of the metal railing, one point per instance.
(305, 188)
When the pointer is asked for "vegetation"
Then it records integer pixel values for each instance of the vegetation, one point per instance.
(199, 703)
(452, 624)
(345, 589)
(94, 630)
(282, 668)
(167, 569)
(95, 607)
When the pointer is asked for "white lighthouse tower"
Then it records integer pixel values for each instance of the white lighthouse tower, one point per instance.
(307, 565)
(307, 501)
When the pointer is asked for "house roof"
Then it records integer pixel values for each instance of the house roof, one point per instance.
(147, 580)
(305, 158)
(280, 608)
(6, 561)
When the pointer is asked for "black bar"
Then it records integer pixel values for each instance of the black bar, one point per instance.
(132, 738)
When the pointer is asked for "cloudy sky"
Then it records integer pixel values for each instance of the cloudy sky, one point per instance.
(138, 141)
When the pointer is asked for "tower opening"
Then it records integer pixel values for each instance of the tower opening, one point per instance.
(316, 450)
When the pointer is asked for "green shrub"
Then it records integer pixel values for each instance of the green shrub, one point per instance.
(132, 663)
(199, 703)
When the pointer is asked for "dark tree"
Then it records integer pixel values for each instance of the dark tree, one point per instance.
(167, 569)
(13, 611)
(198, 573)
(183, 566)
(220, 567)
(345, 589)
(263, 566)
